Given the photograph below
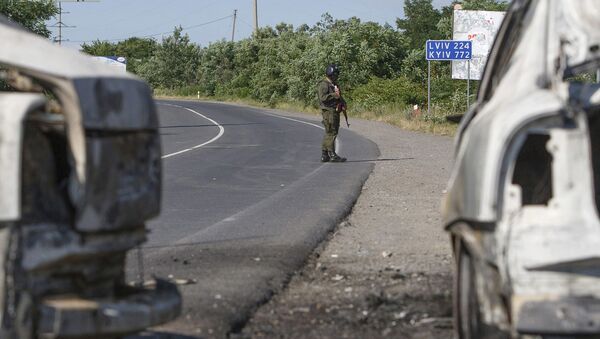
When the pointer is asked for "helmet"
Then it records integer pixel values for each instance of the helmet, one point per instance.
(332, 70)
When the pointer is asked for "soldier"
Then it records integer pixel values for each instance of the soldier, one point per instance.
(331, 103)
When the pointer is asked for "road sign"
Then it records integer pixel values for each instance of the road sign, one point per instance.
(448, 50)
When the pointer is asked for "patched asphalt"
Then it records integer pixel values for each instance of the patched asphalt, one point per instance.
(242, 213)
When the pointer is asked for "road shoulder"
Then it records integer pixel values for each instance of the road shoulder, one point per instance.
(227, 267)
(386, 271)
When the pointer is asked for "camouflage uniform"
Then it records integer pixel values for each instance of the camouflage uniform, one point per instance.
(328, 102)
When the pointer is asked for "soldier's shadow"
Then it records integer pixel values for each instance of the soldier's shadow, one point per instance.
(379, 160)
(160, 335)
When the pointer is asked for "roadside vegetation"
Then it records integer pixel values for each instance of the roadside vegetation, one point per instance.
(384, 71)
(30, 14)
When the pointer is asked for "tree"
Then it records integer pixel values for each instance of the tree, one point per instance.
(174, 64)
(420, 23)
(485, 5)
(100, 48)
(286, 63)
(216, 68)
(136, 50)
(30, 13)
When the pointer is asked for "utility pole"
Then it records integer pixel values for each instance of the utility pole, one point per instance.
(61, 24)
(233, 30)
(255, 17)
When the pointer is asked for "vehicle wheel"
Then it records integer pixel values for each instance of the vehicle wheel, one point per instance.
(466, 304)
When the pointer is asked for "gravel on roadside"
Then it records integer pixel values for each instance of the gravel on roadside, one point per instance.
(387, 269)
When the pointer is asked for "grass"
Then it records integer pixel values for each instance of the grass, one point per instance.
(400, 116)
(405, 118)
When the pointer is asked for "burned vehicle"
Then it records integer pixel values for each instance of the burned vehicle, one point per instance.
(522, 206)
(80, 173)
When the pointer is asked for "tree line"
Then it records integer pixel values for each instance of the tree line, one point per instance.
(381, 64)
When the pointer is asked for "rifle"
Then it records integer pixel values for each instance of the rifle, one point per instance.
(342, 107)
(343, 110)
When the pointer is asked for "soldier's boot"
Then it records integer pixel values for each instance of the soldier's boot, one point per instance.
(333, 157)
(325, 156)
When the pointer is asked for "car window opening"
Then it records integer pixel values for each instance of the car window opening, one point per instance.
(533, 171)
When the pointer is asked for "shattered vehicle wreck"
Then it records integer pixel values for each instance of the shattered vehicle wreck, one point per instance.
(523, 201)
(80, 173)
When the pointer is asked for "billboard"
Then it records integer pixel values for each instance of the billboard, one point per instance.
(113, 61)
(480, 27)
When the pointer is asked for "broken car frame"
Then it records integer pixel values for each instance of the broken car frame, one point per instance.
(524, 197)
(80, 173)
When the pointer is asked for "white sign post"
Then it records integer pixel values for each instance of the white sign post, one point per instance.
(445, 50)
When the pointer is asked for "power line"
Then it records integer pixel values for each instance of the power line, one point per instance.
(128, 14)
(174, 19)
(60, 24)
(245, 22)
(162, 33)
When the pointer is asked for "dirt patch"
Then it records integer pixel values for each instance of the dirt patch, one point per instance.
(327, 302)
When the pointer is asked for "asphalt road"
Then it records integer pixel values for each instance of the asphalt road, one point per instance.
(245, 201)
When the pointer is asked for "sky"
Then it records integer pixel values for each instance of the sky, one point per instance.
(209, 20)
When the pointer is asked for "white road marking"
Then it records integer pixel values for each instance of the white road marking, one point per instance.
(221, 132)
(286, 118)
(192, 238)
(337, 141)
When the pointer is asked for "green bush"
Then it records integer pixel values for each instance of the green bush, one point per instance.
(378, 92)
(382, 67)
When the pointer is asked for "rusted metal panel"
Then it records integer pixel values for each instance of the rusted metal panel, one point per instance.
(115, 104)
(49, 245)
(68, 317)
(123, 181)
(81, 175)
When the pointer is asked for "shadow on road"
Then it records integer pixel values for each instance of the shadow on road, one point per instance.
(381, 160)
(160, 335)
